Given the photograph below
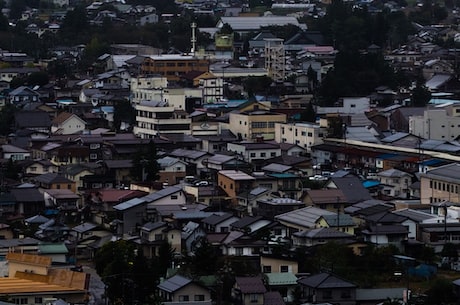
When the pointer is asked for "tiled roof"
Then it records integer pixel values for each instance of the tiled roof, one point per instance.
(325, 281)
(250, 284)
(174, 283)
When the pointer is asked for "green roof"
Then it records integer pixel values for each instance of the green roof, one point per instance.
(282, 278)
(52, 249)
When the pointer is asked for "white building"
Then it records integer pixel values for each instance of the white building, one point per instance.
(153, 118)
(148, 88)
(347, 105)
(440, 123)
(304, 135)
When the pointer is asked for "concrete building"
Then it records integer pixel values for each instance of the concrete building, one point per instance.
(253, 124)
(304, 135)
(153, 118)
(441, 184)
(439, 123)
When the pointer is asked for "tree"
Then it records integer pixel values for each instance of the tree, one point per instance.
(420, 95)
(308, 115)
(440, 292)
(38, 79)
(145, 164)
(123, 112)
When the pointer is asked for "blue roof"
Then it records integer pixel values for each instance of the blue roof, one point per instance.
(370, 183)
(431, 162)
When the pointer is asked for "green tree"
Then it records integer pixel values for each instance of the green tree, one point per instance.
(420, 95)
(205, 260)
(145, 164)
(7, 119)
(114, 262)
(308, 115)
(165, 257)
(38, 79)
(123, 112)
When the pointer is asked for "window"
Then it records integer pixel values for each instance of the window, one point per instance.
(253, 155)
(273, 154)
(173, 197)
(199, 297)
(263, 154)
(183, 298)
(93, 156)
(33, 168)
(69, 186)
(267, 269)
(158, 236)
(254, 298)
(310, 134)
(95, 146)
(239, 251)
(38, 300)
(284, 269)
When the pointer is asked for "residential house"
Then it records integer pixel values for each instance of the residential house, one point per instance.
(8, 204)
(308, 218)
(8, 74)
(247, 199)
(192, 235)
(39, 167)
(237, 243)
(327, 288)
(255, 152)
(211, 85)
(38, 121)
(249, 290)
(23, 95)
(233, 182)
(384, 235)
(181, 290)
(130, 215)
(270, 207)
(280, 274)
(172, 170)
(351, 187)
(120, 170)
(395, 183)
(63, 200)
(56, 251)
(76, 173)
(196, 159)
(153, 235)
(54, 181)
(328, 199)
(67, 123)
(14, 153)
(319, 236)
(29, 200)
(218, 222)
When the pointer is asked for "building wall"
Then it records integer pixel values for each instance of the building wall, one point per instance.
(304, 135)
(173, 68)
(435, 124)
(191, 291)
(249, 127)
(276, 264)
(71, 126)
(437, 189)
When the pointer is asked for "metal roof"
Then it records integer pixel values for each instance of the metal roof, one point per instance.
(129, 204)
(174, 283)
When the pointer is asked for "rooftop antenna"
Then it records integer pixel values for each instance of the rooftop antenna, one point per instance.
(193, 39)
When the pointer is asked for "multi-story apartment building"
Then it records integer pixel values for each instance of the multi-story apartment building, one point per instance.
(172, 66)
(250, 125)
(440, 123)
(148, 88)
(303, 134)
(153, 118)
(441, 184)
